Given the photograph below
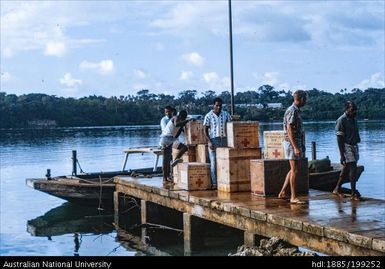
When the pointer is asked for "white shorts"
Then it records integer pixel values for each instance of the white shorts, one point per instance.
(289, 151)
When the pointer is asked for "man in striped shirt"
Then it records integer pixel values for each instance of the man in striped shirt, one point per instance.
(215, 123)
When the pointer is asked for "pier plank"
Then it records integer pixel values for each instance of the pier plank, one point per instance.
(327, 223)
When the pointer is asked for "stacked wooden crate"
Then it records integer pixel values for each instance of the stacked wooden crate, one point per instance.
(233, 162)
(273, 148)
(193, 173)
(188, 156)
(193, 176)
(268, 175)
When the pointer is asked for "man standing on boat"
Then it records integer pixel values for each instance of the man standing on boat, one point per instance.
(168, 140)
(294, 143)
(167, 152)
(348, 138)
(215, 130)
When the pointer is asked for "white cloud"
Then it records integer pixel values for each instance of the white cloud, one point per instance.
(140, 74)
(321, 23)
(7, 52)
(5, 77)
(42, 25)
(193, 58)
(270, 78)
(215, 82)
(103, 67)
(186, 75)
(210, 77)
(375, 81)
(159, 46)
(188, 19)
(69, 81)
(140, 86)
(55, 49)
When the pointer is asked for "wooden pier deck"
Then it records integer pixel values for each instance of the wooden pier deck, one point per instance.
(327, 224)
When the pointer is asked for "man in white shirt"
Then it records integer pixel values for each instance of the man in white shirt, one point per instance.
(168, 140)
(215, 122)
(168, 112)
(167, 153)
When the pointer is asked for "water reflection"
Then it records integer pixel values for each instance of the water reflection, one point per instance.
(71, 218)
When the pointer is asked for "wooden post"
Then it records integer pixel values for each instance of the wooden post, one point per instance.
(143, 211)
(313, 151)
(74, 160)
(116, 208)
(249, 239)
(187, 223)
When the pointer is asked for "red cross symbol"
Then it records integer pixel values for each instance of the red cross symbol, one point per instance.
(245, 142)
(194, 137)
(199, 182)
(276, 153)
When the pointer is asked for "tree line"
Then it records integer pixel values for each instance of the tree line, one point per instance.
(147, 108)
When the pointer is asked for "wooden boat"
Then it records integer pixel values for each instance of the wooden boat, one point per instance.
(93, 188)
(326, 181)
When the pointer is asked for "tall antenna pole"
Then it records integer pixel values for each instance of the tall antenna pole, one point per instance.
(231, 61)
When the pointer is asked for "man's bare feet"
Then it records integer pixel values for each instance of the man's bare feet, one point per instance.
(338, 193)
(355, 198)
(282, 195)
(297, 201)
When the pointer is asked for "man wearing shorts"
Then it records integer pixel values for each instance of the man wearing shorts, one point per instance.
(294, 144)
(348, 139)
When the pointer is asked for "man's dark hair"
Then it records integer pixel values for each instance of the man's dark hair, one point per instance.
(183, 114)
(169, 108)
(219, 100)
(350, 103)
(300, 94)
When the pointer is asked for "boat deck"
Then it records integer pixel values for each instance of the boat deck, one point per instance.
(327, 224)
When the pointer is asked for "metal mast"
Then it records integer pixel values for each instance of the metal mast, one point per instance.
(231, 61)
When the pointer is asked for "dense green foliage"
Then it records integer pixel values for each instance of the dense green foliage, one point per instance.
(147, 108)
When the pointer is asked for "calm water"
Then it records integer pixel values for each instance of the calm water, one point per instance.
(34, 223)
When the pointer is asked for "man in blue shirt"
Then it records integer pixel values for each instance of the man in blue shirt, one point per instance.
(215, 130)
(348, 139)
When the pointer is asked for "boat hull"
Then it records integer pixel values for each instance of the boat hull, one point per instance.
(326, 181)
(94, 189)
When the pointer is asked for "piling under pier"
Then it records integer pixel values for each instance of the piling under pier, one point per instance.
(327, 224)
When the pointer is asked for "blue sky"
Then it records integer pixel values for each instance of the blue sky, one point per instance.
(113, 48)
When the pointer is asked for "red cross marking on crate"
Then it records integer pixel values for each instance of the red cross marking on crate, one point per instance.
(276, 153)
(199, 182)
(245, 142)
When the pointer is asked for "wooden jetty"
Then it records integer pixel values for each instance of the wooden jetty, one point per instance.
(327, 224)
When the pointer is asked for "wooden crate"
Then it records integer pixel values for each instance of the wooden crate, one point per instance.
(175, 174)
(189, 156)
(268, 176)
(273, 148)
(195, 133)
(202, 154)
(233, 168)
(274, 153)
(193, 176)
(242, 134)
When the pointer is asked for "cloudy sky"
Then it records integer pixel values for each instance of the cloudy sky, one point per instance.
(112, 48)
